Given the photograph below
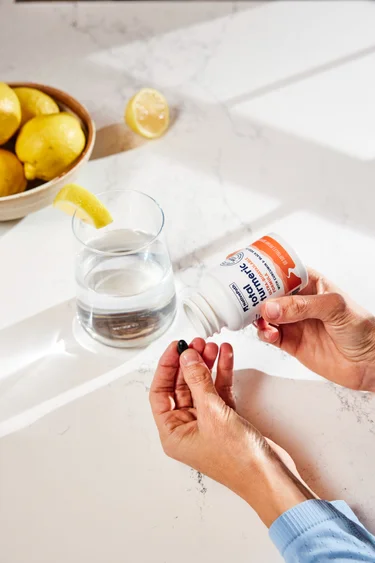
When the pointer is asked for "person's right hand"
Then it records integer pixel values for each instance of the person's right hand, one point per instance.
(325, 331)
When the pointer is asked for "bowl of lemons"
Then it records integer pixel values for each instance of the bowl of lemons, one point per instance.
(46, 136)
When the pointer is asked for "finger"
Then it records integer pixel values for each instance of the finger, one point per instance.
(163, 385)
(327, 307)
(182, 392)
(210, 354)
(198, 377)
(267, 332)
(198, 344)
(317, 283)
(270, 335)
(262, 324)
(312, 282)
(208, 351)
(224, 376)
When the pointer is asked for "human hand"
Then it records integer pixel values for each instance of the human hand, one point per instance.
(326, 331)
(198, 425)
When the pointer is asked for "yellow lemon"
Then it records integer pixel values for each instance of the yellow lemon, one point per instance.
(147, 113)
(49, 144)
(10, 113)
(12, 179)
(75, 199)
(34, 102)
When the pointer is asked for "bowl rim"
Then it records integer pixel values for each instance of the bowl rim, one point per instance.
(90, 140)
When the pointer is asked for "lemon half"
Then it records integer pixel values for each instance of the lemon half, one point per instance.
(76, 199)
(147, 113)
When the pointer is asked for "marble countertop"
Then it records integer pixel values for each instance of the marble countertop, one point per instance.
(274, 131)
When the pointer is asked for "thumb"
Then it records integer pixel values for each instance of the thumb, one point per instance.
(197, 376)
(327, 307)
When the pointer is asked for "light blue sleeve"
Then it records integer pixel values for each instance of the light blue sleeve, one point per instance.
(317, 531)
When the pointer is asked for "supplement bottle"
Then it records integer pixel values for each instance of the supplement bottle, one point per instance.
(231, 294)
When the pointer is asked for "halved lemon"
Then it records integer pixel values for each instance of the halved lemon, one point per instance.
(73, 198)
(147, 113)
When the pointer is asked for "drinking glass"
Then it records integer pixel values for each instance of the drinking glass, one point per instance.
(125, 288)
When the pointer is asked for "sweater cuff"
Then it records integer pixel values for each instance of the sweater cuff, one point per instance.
(296, 521)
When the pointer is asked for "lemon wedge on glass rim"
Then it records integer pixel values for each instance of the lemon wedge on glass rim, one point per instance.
(73, 198)
(147, 113)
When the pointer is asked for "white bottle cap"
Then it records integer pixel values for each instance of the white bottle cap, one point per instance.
(201, 315)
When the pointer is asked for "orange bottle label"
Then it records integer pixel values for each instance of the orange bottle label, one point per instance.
(282, 260)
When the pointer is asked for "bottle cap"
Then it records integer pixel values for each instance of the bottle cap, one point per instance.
(201, 315)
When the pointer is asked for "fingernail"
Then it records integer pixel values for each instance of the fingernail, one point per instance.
(190, 357)
(273, 310)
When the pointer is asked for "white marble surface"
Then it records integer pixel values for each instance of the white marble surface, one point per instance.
(274, 131)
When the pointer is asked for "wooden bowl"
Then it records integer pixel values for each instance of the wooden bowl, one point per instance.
(40, 194)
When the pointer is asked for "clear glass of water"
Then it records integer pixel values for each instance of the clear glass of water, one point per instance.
(125, 288)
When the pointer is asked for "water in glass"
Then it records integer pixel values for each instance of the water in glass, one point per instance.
(125, 292)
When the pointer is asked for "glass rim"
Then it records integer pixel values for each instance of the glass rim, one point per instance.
(125, 252)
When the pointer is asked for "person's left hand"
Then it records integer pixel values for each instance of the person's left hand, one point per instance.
(198, 425)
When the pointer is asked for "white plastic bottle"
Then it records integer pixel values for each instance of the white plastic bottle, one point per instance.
(231, 294)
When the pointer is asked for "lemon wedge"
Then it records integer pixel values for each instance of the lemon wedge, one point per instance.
(72, 198)
(147, 113)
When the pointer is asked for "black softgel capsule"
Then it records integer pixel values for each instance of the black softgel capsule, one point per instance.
(182, 346)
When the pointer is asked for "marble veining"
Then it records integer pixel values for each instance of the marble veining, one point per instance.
(261, 140)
